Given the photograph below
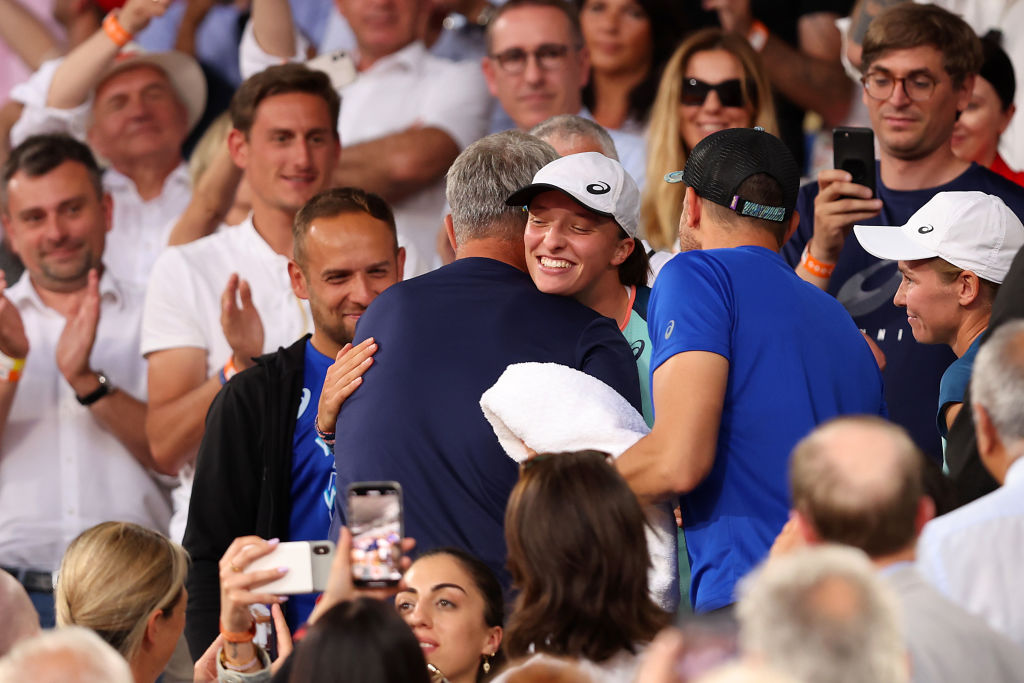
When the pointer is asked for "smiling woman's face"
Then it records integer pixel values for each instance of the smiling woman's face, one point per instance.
(445, 610)
(697, 121)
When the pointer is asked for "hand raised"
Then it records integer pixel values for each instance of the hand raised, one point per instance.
(13, 341)
(733, 15)
(135, 15)
(343, 377)
(76, 341)
(243, 328)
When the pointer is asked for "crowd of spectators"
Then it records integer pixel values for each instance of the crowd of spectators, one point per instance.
(667, 396)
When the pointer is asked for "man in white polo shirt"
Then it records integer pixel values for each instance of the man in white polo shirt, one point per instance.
(214, 304)
(73, 451)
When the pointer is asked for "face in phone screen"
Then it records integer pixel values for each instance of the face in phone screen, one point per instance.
(375, 522)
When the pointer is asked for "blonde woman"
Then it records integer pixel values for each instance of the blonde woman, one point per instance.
(126, 583)
(713, 81)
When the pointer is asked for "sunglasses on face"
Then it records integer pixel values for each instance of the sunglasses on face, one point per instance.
(730, 92)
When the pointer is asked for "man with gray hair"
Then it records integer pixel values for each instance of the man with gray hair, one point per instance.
(859, 481)
(974, 555)
(821, 614)
(572, 134)
(72, 654)
(444, 338)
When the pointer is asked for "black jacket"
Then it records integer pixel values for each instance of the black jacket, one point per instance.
(243, 477)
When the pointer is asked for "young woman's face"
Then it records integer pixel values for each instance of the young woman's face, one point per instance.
(570, 249)
(718, 76)
(445, 609)
(618, 35)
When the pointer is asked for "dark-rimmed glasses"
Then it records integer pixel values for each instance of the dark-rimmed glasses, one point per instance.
(879, 85)
(549, 56)
(730, 92)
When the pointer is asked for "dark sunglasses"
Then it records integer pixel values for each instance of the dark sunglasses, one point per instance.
(730, 93)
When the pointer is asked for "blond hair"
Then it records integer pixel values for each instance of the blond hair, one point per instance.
(112, 578)
(666, 151)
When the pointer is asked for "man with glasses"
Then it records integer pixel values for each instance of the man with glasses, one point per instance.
(537, 65)
(919, 64)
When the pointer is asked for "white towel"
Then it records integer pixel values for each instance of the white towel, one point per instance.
(552, 408)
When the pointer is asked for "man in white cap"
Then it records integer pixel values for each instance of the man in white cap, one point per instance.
(135, 110)
(953, 255)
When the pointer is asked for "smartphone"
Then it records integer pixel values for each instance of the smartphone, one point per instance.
(338, 65)
(376, 521)
(854, 152)
(308, 563)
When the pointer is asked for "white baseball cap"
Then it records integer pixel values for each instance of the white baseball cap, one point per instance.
(596, 182)
(972, 230)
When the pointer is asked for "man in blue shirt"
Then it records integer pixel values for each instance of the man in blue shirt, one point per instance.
(919, 64)
(747, 359)
(264, 466)
(953, 255)
(445, 337)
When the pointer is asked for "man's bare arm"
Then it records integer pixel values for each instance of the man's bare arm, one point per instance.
(274, 28)
(180, 394)
(397, 165)
(26, 35)
(211, 201)
(688, 393)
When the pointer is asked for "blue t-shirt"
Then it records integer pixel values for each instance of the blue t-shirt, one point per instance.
(312, 485)
(866, 285)
(954, 383)
(795, 360)
(444, 338)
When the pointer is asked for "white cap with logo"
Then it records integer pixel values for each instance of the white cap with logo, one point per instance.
(972, 230)
(598, 183)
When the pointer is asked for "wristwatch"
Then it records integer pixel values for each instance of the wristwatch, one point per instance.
(102, 390)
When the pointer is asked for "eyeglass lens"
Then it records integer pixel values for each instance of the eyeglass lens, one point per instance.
(549, 56)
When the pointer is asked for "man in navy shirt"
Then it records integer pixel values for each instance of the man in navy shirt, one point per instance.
(919, 65)
(747, 359)
(445, 337)
(265, 467)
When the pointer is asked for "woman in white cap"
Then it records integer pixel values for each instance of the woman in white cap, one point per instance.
(953, 254)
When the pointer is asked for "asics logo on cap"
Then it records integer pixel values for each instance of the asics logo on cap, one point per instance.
(599, 188)
(925, 229)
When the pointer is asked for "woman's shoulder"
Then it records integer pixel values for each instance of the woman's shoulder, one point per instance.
(620, 668)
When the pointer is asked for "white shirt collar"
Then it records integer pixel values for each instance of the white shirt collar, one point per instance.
(24, 293)
(115, 180)
(1015, 473)
(406, 58)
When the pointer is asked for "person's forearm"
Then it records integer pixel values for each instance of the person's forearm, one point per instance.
(395, 166)
(274, 28)
(193, 16)
(78, 74)
(211, 200)
(125, 417)
(9, 115)
(26, 35)
(176, 427)
(7, 392)
(812, 84)
(654, 477)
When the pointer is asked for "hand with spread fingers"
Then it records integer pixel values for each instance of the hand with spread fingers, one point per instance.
(242, 326)
(343, 377)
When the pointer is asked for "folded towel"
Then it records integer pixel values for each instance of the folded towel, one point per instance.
(552, 408)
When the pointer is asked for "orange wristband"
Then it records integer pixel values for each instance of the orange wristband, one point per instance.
(757, 36)
(814, 266)
(238, 636)
(10, 368)
(115, 31)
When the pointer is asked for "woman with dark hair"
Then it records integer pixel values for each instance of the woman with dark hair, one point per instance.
(454, 605)
(578, 556)
(629, 42)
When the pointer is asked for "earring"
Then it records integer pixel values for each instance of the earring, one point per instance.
(487, 664)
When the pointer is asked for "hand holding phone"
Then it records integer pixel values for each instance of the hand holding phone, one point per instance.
(853, 151)
(308, 565)
(377, 525)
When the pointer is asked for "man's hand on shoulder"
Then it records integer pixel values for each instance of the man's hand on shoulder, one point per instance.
(243, 328)
(343, 377)
(839, 205)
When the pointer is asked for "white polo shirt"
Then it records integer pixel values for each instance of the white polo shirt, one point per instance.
(60, 471)
(183, 307)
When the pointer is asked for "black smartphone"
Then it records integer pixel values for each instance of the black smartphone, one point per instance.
(378, 526)
(854, 152)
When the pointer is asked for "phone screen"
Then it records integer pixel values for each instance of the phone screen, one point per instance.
(375, 520)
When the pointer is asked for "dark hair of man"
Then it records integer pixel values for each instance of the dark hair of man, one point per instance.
(636, 269)
(282, 80)
(563, 6)
(578, 555)
(489, 587)
(760, 188)
(997, 69)
(359, 641)
(879, 522)
(40, 154)
(911, 25)
(667, 27)
(334, 202)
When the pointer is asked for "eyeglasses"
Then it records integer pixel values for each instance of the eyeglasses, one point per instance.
(549, 56)
(730, 92)
(880, 85)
